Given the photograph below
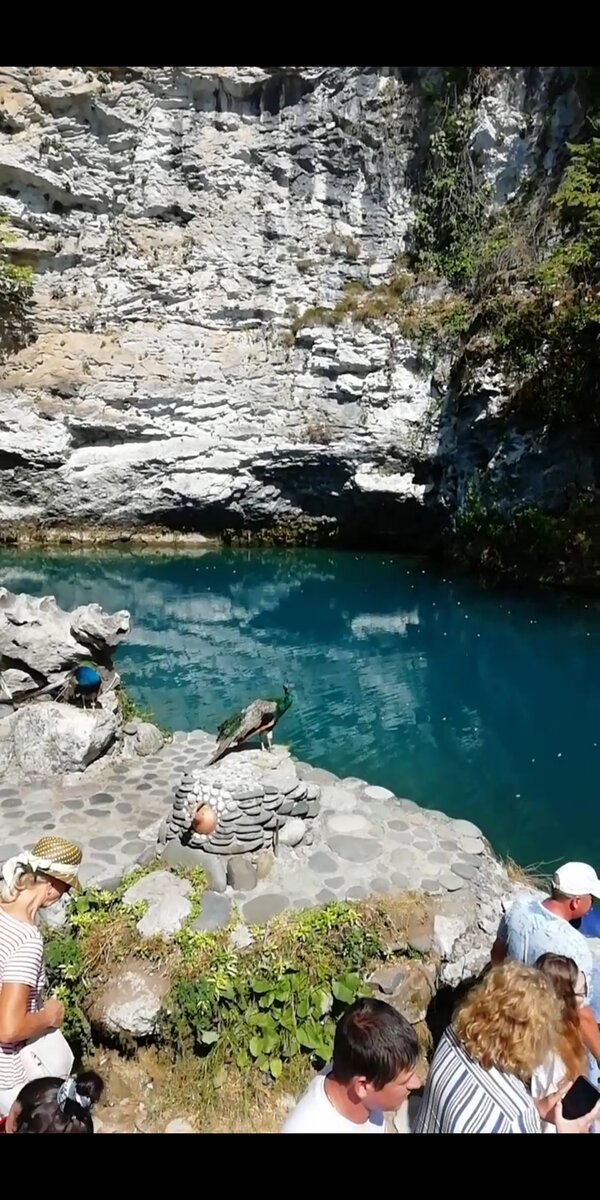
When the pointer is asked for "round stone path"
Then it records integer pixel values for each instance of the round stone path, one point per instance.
(365, 840)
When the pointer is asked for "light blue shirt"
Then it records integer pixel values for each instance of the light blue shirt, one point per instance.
(529, 930)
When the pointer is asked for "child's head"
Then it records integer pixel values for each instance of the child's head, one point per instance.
(374, 1052)
(56, 1105)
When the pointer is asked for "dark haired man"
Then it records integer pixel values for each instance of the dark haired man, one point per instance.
(372, 1071)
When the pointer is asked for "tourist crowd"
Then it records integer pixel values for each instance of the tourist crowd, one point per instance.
(520, 1054)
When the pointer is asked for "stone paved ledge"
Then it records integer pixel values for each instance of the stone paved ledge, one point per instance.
(365, 841)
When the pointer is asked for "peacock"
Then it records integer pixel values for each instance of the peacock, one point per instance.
(258, 719)
(82, 683)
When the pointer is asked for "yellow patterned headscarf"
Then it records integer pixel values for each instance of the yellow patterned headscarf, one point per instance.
(53, 856)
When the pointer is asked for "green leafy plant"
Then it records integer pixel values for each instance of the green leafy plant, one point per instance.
(16, 293)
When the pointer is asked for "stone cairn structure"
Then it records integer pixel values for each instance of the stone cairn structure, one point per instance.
(254, 799)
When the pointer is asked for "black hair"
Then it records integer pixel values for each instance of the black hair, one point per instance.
(373, 1040)
(40, 1112)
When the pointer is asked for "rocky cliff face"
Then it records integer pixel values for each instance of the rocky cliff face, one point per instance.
(180, 223)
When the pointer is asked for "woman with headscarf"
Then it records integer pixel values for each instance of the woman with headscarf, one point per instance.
(31, 1045)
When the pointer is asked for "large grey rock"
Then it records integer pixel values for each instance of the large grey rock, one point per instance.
(142, 740)
(131, 999)
(37, 636)
(45, 738)
(167, 898)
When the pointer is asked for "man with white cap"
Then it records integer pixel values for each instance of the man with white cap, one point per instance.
(533, 927)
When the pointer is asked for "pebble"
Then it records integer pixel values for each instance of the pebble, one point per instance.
(451, 881)
(378, 793)
(260, 909)
(242, 876)
(466, 829)
(179, 1125)
(353, 849)
(214, 912)
(348, 823)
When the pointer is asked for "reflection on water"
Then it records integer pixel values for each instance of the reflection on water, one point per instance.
(475, 702)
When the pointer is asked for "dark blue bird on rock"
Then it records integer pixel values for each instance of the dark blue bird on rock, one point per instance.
(86, 683)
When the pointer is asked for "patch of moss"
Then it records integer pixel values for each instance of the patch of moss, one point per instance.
(295, 531)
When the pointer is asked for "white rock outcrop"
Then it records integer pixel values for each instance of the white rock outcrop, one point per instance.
(44, 738)
(178, 219)
(40, 642)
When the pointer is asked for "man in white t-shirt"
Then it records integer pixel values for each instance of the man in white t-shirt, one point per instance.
(372, 1071)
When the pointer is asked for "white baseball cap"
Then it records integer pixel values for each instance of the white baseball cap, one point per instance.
(577, 879)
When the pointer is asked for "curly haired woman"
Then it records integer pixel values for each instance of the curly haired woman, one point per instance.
(479, 1079)
(568, 1059)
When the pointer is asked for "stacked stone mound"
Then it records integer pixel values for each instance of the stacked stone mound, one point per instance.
(257, 801)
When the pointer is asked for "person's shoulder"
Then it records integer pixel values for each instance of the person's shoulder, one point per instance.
(18, 933)
(302, 1117)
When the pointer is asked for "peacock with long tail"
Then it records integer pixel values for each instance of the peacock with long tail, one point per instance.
(258, 719)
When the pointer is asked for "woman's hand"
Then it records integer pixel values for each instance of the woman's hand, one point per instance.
(580, 1125)
(546, 1105)
(53, 1012)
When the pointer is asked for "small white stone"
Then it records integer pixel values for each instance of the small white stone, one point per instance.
(378, 793)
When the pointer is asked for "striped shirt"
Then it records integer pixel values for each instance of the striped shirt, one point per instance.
(21, 961)
(462, 1097)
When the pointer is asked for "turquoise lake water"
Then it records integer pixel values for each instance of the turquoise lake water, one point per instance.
(481, 703)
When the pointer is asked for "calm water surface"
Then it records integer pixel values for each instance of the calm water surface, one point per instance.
(480, 703)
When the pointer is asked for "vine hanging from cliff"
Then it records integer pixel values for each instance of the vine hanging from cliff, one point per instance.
(451, 195)
(15, 299)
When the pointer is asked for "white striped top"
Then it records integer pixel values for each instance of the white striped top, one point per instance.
(21, 961)
(462, 1097)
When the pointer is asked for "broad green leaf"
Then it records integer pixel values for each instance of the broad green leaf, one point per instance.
(209, 1037)
(269, 1041)
(322, 1001)
(262, 1062)
(242, 1059)
(276, 1067)
(255, 1046)
(302, 1007)
(341, 992)
(289, 1045)
(351, 980)
(286, 1020)
(266, 1000)
(307, 1035)
(261, 985)
(283, 989)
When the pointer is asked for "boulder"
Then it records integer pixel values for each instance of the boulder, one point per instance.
(141, 738)
(413, 984)
(46, 738)
(167, 898)
(130, 1000)
(43, 641)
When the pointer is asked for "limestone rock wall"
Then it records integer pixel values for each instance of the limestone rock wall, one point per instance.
(177, 220)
